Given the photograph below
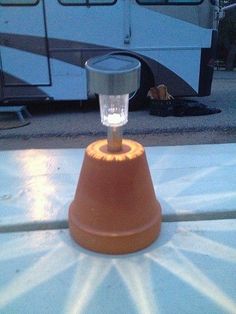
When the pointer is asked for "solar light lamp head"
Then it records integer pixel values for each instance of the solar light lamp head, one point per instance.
(113, 78)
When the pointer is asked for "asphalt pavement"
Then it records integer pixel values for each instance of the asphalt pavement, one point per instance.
(75, 126)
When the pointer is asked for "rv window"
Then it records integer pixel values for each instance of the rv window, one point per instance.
(151, 2)
(18, 2)
(87, 2)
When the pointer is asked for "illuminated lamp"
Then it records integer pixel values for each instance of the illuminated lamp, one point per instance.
(115, 210)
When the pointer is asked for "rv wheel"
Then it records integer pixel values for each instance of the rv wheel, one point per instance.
(138, 99)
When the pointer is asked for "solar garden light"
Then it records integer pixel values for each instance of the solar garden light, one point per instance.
(113, 78)
(115, 209)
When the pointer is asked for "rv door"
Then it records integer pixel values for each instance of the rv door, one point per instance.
(24, 53)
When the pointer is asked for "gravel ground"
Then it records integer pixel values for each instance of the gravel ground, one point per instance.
(61, 127)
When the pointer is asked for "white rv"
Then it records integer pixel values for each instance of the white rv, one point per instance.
(45, 44)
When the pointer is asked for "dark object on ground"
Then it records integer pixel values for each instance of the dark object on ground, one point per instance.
(10, 121)
(20, 111)
(13, 117)
(179, 108)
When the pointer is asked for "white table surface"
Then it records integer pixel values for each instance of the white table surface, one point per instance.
(37, 186)
(190, 268)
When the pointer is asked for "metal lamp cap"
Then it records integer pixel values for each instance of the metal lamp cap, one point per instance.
(113, 75)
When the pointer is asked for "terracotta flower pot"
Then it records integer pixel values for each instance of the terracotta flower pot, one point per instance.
(115, 209)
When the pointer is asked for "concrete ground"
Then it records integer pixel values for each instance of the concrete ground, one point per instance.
(76, 126)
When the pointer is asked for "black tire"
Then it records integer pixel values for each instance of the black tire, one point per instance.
(139, 100)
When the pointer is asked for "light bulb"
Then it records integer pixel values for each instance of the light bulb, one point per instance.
(114, 109)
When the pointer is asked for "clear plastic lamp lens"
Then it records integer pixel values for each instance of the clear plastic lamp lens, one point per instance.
(114, 109)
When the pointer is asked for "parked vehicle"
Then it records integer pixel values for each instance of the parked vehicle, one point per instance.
(45, 44)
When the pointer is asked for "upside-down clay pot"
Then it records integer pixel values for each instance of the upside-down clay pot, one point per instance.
(115, 209)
